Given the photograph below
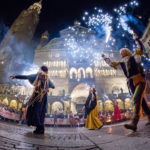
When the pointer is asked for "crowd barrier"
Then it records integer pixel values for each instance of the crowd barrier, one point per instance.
(60, 121)
(6, 114)
(63, 122)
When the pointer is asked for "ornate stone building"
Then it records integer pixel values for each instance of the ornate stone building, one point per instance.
(146, 42)
(73, 76)
(74, 62)
(146, 39)
(15, 54)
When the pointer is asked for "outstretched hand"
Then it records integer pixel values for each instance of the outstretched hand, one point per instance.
(12, 77)
(135, 36)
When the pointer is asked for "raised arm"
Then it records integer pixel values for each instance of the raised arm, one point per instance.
(140, 47)
(113, 64)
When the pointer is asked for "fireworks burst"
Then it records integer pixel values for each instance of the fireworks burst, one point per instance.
(104, 23)
(122, 15)
(99, 21)
(81, 46)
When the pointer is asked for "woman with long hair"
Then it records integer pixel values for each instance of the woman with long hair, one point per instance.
(37, 105)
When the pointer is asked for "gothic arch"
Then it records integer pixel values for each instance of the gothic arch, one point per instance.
(67, 106)
(73, 72)
(120, 104)
(79, 95)
(57, 106)
(81, 72)
(80, 90)
(5, 101)
(128, 104)
(100, 106)
(108, 106)
(13, 104)
(89, 72)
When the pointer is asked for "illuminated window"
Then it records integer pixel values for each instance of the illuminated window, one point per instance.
(73, 73)
(89, 72)
(81, 73)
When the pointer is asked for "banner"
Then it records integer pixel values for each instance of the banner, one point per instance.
(48, 121)
(60, 121)
(7, 114)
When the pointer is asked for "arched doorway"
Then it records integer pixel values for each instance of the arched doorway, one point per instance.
(57, 106)
(73, 73)
(13, 104)
(108, 105)
(5, 102)
(120, 104)
(89, 72)
(78, 97)
(81, 73)
(66, 107)
(128, 104)
(100, 105)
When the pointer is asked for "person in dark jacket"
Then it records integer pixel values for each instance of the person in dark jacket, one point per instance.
(37, 105)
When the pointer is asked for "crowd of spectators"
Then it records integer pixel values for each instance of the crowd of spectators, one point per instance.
(75, 119)
(8, 108)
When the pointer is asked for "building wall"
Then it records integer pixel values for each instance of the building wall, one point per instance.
(61, 69)
(146, 39)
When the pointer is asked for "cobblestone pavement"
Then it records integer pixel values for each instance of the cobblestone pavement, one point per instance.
(110, 137)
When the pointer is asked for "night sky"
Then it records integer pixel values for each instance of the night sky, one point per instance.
(59, 14)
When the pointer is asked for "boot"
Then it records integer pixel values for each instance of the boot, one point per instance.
(148, 123)
(133, 124)
(41, 129)
(36, 131)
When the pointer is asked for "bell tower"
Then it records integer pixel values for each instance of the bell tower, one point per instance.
(15, 53)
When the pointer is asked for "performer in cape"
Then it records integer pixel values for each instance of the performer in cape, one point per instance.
(133, 70)
(37, 105)
(92, 121)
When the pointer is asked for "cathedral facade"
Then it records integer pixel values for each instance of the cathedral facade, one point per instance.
(74, 63)
(74, 74)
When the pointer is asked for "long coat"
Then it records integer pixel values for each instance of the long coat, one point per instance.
(36, 112)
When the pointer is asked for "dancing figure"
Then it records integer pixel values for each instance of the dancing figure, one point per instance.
(92, 121)
(133, 70)
(37, 105)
